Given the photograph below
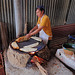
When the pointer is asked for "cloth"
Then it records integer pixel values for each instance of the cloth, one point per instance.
(47, 25)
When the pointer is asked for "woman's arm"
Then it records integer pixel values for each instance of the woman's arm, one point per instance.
(34, 32)
(36, 27)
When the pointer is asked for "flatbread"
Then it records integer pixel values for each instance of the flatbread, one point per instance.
(33, 45)
(36, 38)
(28, 49)
(14, 45)
(21, 39)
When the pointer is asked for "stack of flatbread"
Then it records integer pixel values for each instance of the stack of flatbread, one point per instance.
(29, 48)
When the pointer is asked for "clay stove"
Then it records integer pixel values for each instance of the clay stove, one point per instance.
(21, 59)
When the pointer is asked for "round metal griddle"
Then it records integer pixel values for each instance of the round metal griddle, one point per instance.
(29, 42)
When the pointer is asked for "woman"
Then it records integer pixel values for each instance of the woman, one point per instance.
(43, 26)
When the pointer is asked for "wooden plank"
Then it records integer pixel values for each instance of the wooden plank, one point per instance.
(4, 35)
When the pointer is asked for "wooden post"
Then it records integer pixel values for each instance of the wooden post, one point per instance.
(18, 17)
(25, 28)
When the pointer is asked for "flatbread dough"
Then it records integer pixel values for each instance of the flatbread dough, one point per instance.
(28, 49)
(14, 45)
(33, 45)
(21, 39)
(36, 38)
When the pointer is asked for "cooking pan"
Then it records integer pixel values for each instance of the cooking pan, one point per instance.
(28, 42)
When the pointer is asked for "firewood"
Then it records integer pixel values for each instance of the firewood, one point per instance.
(42, 70)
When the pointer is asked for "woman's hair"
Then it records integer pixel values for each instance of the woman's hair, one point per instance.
(41, 8)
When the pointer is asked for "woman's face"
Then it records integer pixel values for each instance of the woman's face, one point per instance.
(39, 13)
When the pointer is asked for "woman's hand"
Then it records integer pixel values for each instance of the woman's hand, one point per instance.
(28, 36)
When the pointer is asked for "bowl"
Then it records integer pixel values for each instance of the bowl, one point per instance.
(67, 47)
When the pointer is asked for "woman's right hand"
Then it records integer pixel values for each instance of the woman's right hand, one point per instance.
(30, 31)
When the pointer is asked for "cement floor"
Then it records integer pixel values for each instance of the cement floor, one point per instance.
(54, 67)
